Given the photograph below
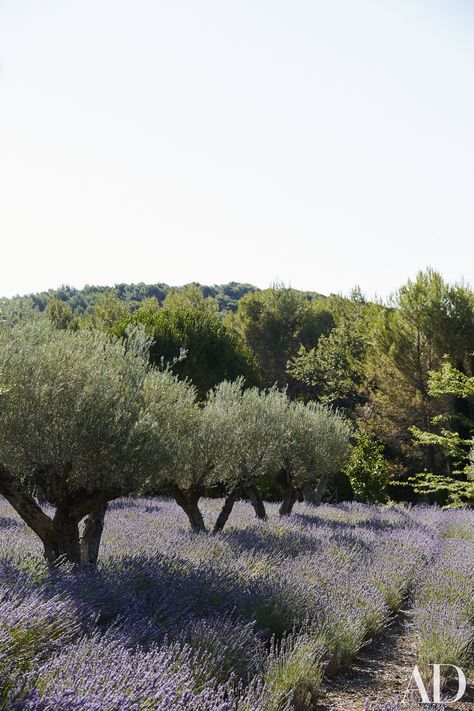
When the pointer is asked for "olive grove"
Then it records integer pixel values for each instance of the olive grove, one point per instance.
(85, 419)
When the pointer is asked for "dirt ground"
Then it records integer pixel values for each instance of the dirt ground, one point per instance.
(380, 675)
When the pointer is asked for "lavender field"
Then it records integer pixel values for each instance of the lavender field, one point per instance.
(253, 619)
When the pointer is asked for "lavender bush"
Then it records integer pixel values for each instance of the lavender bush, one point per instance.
(444, 600)
(250, 619)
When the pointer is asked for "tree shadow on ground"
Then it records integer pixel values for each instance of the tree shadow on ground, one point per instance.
(8, 522)
(374, 524)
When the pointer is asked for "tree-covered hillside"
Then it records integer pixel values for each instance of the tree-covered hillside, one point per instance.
(82, 301)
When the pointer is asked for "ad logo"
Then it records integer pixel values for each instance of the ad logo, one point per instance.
(420, 686)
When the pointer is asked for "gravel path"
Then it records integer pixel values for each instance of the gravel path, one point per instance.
(380, 674)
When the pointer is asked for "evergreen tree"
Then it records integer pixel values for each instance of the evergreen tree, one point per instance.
(274, 323)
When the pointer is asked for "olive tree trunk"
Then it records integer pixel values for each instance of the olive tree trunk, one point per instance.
(226, 510)
(64, 541)
(60, 534)
(91, 536)
(309, 495)
(67, 542)
(188, 501)
(26, 506)
(289, 494)
(289, 499)
(321, 489)
(256, 501)
(314, 496)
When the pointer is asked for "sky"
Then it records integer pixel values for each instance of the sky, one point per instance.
(322, 144)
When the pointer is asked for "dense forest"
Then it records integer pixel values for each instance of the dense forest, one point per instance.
(83, 301)
(401, 372)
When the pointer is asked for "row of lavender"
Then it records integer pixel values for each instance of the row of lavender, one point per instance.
(248, 620)
(442, 614)
(444, 596)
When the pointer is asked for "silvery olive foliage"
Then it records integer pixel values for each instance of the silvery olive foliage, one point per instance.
(184, 443)
(203, 444)
(330, 435)
(251, 430)
(313, 446)
(69, 407)
(269, 438)
(166, 426)
(314, 441)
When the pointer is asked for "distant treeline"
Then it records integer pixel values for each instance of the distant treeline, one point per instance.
(82, 301)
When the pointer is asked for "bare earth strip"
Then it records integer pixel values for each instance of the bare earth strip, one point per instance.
(380, 674)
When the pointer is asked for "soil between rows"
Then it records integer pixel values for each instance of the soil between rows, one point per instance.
(380, 675)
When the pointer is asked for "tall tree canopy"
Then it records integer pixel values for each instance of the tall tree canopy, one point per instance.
(82, 302)
(458, 447)
(274, 323)
(371, 361)
(333, 372)
(428, 320)
(212, 352)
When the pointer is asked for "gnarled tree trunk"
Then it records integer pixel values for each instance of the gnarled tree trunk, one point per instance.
(314, 497)
(289, 499)
(64, 541)
(288, 491)
(256, 501)
(91, 536)
(309, 495)
(226, 510)
(188, 501)
(321, 489)
(25, 505)
(60, 534)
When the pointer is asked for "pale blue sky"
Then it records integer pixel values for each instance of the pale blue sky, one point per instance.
(324, 144)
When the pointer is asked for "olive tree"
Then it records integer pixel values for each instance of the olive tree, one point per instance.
(297, 450)
(331, 433)
(313, 445)
(203, 447)
(182, 454)
(251, 442)
(73, 422)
